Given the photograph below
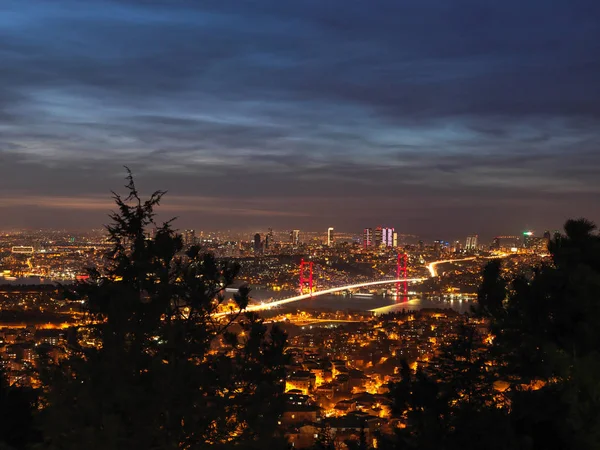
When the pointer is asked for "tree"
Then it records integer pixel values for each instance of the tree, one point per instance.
(423, 406)
(17, 407)
(546, 340)
(492, 291)
(547, 337)
(166, 369)
(361, 443)
(462, 368)
(452, 405)
(325, 438)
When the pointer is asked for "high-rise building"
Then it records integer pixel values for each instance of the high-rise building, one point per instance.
(330, 238)
(387, 237)
(269, 239)
(535, 243)
(395, 240)
(471, 243)
(421, 245)
(378, 237)
(539, 244)
(257, 244)
(295, 237)
(189, 238)
(527, 238)
(368, 237)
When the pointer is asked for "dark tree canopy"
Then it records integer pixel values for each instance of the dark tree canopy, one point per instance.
(492, 291)
(537, 385)
(156, 367)
(18, 405)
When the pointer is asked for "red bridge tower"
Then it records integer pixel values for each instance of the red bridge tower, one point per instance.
(402, 272)
(304, 281)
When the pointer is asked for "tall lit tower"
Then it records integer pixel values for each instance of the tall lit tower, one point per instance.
(378, 237)
(402, 272)
(306, 281)
(330, 239)
(269, 239)
(368, 237)
(471, 243)
(189, 238)
(295, 237)
(257, 244)
(387, 237)
(527, 238)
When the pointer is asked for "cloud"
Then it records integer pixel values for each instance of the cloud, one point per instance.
(308, 113)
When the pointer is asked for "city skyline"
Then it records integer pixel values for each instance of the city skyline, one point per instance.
(442, 120)
(285, 235)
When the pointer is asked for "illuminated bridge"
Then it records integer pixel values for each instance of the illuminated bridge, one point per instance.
(297, 298)
(432, 267)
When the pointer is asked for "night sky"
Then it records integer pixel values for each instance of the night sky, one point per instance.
(439, 117)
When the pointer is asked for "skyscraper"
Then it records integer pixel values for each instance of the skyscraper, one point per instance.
(367, 237)
(387, 237)
(395, 240)
(378, 237)
(330, 238)
(189, 238)
(257, 244)
(269, 239)
(471, 243)
(527, 238)
(295, 237)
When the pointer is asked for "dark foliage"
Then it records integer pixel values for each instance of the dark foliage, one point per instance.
(158, 375)
(549, 336)
(17, 408)
(492, 291)
(545, 352)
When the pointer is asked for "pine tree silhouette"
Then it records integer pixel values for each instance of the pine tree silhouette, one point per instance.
(166, 371)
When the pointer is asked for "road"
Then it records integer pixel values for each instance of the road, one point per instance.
(433, 270)
(432, 266)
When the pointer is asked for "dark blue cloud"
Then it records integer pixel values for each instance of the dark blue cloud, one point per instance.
(463, 116)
